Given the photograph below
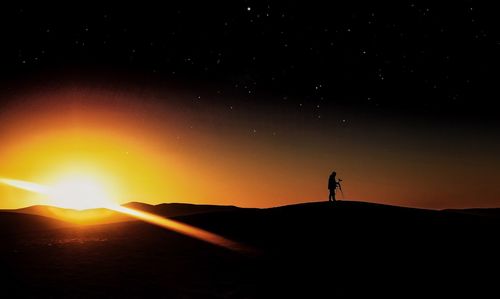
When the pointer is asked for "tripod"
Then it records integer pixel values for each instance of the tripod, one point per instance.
(340, 188)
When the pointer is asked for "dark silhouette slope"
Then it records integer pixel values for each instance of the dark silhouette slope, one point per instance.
(356, 248)
(488, 212)
(313, 250)
(16, 223)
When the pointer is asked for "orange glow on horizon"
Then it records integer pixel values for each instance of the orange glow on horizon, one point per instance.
(49, 144)
(72, 191)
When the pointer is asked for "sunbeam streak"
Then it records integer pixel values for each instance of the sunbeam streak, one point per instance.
(28, 186)
(179, 227)
(164, 222)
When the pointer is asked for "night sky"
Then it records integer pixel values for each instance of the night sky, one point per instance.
(262, 99)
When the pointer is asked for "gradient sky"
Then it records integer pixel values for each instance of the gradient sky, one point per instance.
(254, 103)
(159, 147)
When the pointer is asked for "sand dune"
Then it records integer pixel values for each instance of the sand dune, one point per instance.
(313, 250)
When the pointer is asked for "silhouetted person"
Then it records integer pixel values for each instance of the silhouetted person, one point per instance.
(332, 186)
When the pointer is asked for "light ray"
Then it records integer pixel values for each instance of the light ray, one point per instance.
(28, 186)
(180, 227)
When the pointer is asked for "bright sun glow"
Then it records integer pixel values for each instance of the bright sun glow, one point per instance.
(71, 191)
(79, 192)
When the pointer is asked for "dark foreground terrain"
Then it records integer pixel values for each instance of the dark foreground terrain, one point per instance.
(313, 250)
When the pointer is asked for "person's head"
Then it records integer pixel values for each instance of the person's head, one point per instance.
(334, 173)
